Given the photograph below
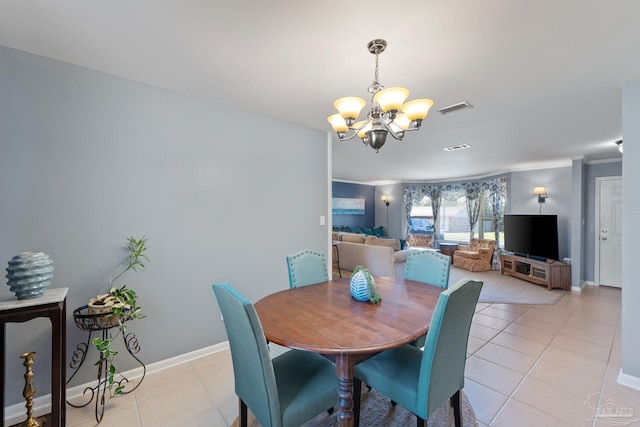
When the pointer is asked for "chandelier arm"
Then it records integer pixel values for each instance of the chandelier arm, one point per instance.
(395, 135)
(346, 137)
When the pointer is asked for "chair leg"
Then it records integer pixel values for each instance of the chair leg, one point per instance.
(455, 402)
(420, 422)
(243, 413)
(357, 395)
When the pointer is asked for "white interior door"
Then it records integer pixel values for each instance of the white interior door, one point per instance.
(609, 232)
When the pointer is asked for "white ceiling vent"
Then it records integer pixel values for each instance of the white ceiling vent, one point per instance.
(455, 107)
(457, 147)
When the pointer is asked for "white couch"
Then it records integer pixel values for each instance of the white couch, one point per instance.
(381, 256)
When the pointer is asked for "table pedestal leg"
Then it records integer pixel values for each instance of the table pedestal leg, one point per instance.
(345, 368)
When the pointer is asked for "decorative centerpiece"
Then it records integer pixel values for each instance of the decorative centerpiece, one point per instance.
(29, 274)
(362, 286)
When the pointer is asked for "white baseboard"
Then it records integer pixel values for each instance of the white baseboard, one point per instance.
(581, 286)
(629, 380)
(17, 413)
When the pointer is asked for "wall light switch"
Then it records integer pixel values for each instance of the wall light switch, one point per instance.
(322, 219)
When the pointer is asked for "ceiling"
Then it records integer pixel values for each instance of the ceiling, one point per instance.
(545, 77)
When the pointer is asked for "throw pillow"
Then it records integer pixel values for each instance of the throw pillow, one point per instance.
(378, 241)
(353, 237)
(368, 231)
(378, 231)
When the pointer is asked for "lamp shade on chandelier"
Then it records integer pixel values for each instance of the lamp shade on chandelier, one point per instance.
(390, 113)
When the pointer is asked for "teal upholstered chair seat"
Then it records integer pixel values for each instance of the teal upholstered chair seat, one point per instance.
(429, 267)
(285, 391)
(422, 381)
(306, 268)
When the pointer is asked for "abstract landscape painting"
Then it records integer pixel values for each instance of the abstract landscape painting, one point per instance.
(341, 206)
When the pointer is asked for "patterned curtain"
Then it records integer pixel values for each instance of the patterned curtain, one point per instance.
(496, 205)
(496, 191)
(473, 190)
(435, 194)
(413, 193)
(496, 208)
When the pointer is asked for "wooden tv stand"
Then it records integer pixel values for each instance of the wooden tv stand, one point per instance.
(550, 273)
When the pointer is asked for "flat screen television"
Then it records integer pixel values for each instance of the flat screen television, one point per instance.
(532, 236)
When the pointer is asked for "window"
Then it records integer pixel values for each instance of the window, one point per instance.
(421, 217)
(487, 218)
(484, 226)
(453, 219)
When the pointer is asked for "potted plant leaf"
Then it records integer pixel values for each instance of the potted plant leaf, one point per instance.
(119, 306)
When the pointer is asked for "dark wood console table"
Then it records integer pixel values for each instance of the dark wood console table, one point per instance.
(448, 248)
(52, 304)
(549, 273)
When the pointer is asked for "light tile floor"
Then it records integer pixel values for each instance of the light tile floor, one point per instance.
(528, 365)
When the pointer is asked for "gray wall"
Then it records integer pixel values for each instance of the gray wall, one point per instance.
(88, 159)
(395, 212)
(631, 230)
(557, 181)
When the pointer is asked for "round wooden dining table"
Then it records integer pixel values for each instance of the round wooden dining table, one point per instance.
(325, 319)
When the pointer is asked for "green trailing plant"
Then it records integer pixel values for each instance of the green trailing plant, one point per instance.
(124, 307)
(374, 296)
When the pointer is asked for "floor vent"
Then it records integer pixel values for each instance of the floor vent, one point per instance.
(455, 107)
(457, 147)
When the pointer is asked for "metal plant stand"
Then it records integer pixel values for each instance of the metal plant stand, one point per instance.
(101, 323)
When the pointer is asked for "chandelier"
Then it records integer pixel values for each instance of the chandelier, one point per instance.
(390, 113)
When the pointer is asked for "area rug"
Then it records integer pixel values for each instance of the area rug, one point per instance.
(377, 411)
(498, 288)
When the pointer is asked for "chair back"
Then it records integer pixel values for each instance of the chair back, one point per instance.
(306, 268)
(477, 244)
(255, 381)
(429, 267)
(419, 241)
(445, 351)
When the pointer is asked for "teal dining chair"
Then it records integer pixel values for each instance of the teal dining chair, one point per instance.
(285, 391)
(306, 268)
(421, 381)
(428, 266)
(431, 267)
